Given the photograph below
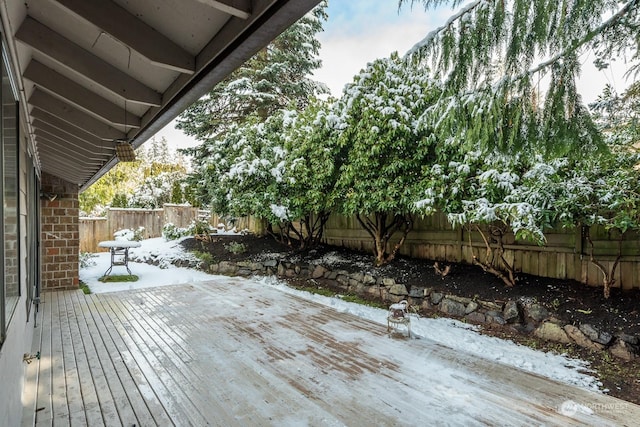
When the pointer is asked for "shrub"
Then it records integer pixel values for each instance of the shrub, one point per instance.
(171, 232)
(206, 258)
(236, 248)
(86, 259)
(199, 227)
(129, 235)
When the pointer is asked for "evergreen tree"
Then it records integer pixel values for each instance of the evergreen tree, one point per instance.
(126, 179)
(618, 116)
(275, 78)
(119, 201)
(177, 193)
(494, 54)
(385, 149)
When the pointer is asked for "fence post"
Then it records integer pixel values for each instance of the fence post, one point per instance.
(460, 242)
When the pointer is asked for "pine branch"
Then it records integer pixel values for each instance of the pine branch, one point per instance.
(614, 20)
(432, 35)
(584, 40)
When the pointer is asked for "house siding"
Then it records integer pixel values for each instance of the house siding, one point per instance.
(20, 329)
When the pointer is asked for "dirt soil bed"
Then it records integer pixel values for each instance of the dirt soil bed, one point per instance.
(571, 301)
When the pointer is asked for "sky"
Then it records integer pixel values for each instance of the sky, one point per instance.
(360, 31)
(357, 32)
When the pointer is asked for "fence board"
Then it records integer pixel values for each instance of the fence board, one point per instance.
(561, 266)
(560, 257)
(95, 230)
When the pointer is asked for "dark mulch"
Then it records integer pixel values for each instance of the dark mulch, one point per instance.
(570, 300)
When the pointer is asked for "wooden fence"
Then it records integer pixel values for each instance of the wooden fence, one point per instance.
(95, 230)
(564, 256)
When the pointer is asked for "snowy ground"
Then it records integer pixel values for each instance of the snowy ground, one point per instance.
(149, 275)
(451, 333)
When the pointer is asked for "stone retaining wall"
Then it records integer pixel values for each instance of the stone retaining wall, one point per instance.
(525, 315)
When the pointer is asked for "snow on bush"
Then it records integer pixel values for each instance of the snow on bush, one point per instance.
(130, 235)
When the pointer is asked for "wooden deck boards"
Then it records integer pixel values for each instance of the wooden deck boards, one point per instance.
(214, 354)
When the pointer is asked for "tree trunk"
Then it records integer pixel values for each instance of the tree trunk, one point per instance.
(315, 230)
(381, 229)
(608, 276)
(495, 262)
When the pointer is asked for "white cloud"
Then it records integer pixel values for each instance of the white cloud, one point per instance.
(175, 137)
(350, 42)
(362, 31)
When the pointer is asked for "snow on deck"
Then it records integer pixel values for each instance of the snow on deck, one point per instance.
(234, 352)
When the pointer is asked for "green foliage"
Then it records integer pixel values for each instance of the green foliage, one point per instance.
(171, 232)
(282, 169)
(618, 116)
(303, 190)
(148, 182)
(177, 193)
(118, 180)
(257, 153)
(87, 259)
(236, 248)
(275, 78)
(206, 258)
(129, 234)
(119, 201)
(515, 83)
(85, 288)
(384, 148)
(119, 278)
(199, 227)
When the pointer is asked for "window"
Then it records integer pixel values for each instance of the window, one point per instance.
(10, 291)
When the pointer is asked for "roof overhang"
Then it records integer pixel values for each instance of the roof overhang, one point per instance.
(90, 73)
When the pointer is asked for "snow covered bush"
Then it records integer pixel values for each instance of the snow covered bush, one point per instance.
(384, 149)
(129, 235)
(156, 190)
(86, 259)
(171, 232)
(303, 195)
(197, 227)
(281, 169)
(602, 191)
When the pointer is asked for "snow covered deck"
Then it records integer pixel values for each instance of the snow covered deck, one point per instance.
(229, 352)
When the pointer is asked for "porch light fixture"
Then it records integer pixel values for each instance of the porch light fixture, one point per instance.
(124, 151)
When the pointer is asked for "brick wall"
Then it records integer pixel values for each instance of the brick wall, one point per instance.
(60, 234)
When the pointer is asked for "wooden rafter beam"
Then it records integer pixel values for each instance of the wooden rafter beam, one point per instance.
(41, 128)
(69, 176)
(238, 8)
(74, 116)
(65, 160)
(52, 145)
(134, 33)
(68, 130)
(46, 78)
(75, 58)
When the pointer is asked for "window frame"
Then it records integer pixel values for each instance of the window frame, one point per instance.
(6, 313)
